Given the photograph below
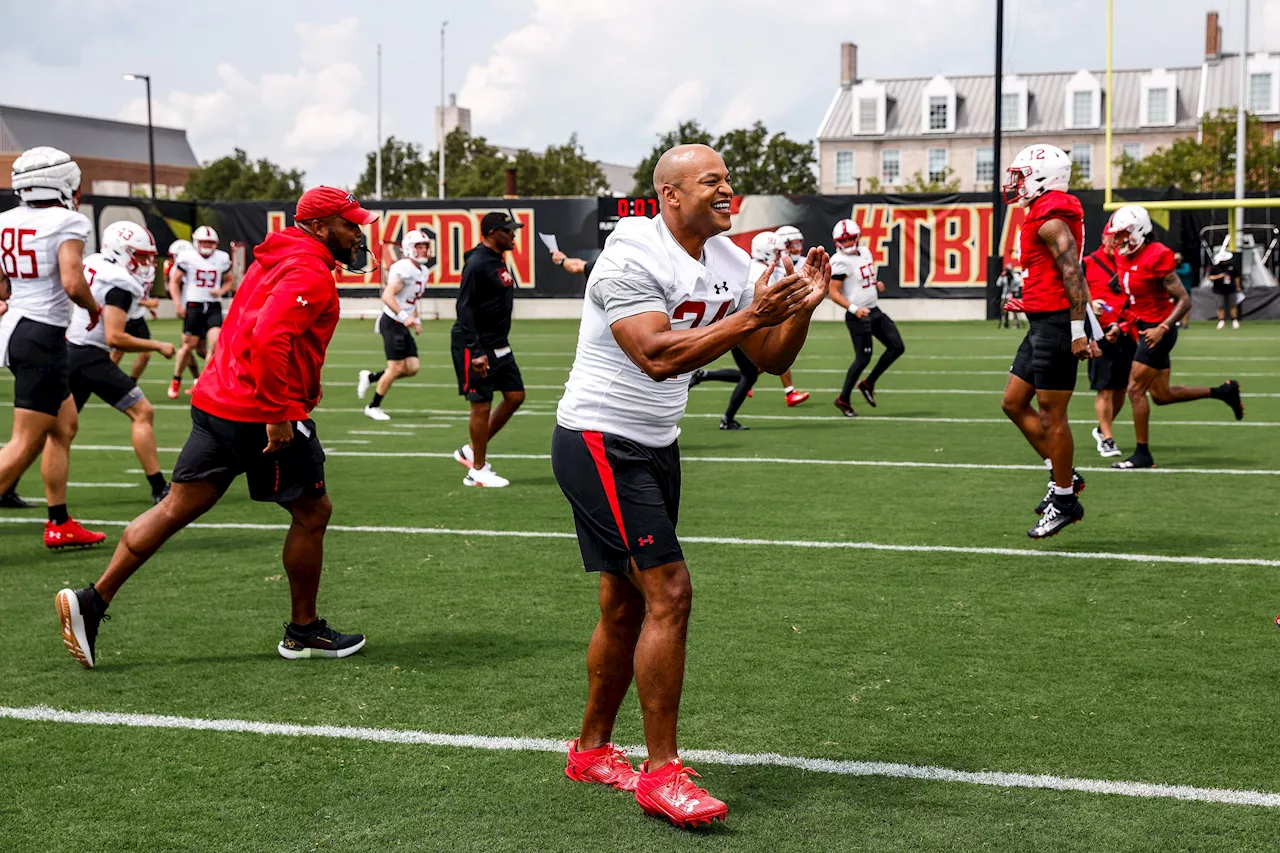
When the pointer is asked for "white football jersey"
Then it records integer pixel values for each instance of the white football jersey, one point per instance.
(29, 241)
(606, 391)
(104, 275)
(758, 268)
(859, 271)
(414, 279)
(202, 277)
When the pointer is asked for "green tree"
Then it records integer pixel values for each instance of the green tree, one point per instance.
(921, 183)
(236, 178)
(561, 170)
(685, 133)
(1208, 164)
(404, 174)
(759, 163)
(475, 169)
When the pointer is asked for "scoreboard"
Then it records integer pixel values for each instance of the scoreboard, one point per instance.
(612, 209)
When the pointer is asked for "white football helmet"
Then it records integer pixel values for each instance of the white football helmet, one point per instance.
(1129, 228)
(177, 247)
(133, 248)
(765, 247)
(206, 240)
(846, 233)
(791, 240)
(47, 174)
(1036, 170)
(416, 246)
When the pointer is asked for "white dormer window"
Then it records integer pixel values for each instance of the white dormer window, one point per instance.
(938, 107)
(1158, 103)
(1013, 104)
(869, 108)
(1083, 106)
(1264, 83)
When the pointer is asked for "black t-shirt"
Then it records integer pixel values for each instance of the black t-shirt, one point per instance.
(485, 299)
(1224, 275)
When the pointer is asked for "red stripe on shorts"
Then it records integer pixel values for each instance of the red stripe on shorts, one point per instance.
(595, 443)
(466, 369)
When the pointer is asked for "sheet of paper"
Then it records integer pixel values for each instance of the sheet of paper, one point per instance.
(1239, 297)
(549, 240)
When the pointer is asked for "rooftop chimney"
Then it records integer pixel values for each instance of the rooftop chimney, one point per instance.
(848, 63)
(1212, 37)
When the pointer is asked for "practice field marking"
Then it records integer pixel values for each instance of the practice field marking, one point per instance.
(892, 770)
(725, 540)
(102, 485)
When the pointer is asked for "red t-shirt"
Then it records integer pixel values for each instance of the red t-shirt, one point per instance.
(1042, 288)
(267, 365)
(1142, 275)
(1100, 274)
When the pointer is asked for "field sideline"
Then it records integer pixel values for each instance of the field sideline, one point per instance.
(879, 657)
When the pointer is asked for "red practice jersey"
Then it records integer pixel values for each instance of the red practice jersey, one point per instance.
(1142, 275)
(1042, 288)
(1100, 275)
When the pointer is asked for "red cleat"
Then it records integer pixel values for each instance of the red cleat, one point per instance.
(70, 534)
(670, 792)
(174, 387)
(795, 398)
(606, 765)
(751, 392)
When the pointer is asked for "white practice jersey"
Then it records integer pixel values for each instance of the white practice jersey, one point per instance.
(104, 276)
(643, 269)
(758, 268)
(859, 271)
(201, 276)
(29, 241)
(414, 279)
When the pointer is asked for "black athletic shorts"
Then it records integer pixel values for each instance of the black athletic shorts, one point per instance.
(504, 373)
(1159, 356)
(201, 317)
(1110, 371)
(625, 498)
(397, 340)
(223, 449)
(1044, 360)
(138, 328)
(93, 372)
(38, 362)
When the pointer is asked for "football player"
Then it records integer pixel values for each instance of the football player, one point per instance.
(41, 276)
(1109, 372)
(1055, 299)
(137, 324)
(406, 280)
(1146, 270)
(118, 277)
(790, 241)
(206, 274)
(855, 288)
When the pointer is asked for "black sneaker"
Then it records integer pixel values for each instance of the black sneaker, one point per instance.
(697, 377)
(1077, 484)
(1137, 460)
(731, 425)
(1231, 396)
(845, 409)
(1061, 512)
(156, 497)
(318, 641)
(11, 500)
(80, 618)
(868, 392)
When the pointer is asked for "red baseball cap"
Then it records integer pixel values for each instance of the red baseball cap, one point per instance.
(319, 202)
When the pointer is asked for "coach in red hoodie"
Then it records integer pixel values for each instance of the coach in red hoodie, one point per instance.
(250, 415)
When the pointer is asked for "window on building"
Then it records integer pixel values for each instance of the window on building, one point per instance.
(1082, 109)
(984, 166)
(867, 115)
(937, 164)
(1082, 159)
(1158, 106)
(937, 112)
(1260, 93)
(844, 168)
(1011, 111)
(1132, 150)
(890, 166)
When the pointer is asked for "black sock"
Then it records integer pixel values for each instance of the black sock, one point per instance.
(374, 377)
(99, 603)
(178, 378)
(1141, 450)
(58, 514)
(377, 400)
(156, 481)
(1219, 392)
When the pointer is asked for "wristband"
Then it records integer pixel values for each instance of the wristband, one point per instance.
(1077, 329)
(404, 316)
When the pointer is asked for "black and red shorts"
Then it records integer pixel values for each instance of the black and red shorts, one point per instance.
(1156, 357)
(625, 498)
(1044, 360)
(504, 373)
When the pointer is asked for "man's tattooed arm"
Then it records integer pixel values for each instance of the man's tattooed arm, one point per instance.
(1066, 254)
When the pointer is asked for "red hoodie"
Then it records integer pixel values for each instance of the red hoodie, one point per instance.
(266, 368)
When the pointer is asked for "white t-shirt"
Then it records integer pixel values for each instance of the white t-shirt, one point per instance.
(414, 279)
(202, 277)
(644, 269)
(29, 241)
(859, 271)
(104, 275)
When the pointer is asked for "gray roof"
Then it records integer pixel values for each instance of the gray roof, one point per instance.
(81, 136)
(621, 179)
(975, 104)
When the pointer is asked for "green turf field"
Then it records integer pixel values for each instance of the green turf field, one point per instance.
(1097, 669)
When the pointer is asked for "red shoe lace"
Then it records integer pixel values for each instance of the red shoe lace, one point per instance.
(681, 783)
(616, 760)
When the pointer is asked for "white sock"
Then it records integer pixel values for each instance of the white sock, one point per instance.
(1059, 490)
(1048, 463)
(788, 389)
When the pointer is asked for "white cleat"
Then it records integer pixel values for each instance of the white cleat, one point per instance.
(464, 457)
(362, 384)
(485, 478)
(1235, 324)
(376, 413)
(1222, 324)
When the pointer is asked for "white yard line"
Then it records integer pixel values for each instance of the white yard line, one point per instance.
(892, 770)
(725, 540)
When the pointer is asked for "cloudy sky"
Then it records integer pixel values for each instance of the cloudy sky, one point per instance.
(295, 81)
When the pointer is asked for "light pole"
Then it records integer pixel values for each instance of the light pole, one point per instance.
(377, 161)
(151, 135)
(440, 158)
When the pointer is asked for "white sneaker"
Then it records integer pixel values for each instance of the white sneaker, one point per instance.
(484, 477)
(1097, 437)
(376, 413)
(1222, 324)
(362, 384)
(464, 456)
(1235, 324)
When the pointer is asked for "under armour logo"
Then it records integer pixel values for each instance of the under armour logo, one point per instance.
(302, 301)
(645, 540)
(722, 287)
